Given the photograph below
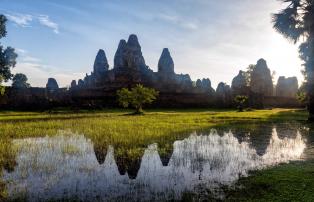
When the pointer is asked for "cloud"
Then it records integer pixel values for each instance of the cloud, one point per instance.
(21, 51)
(176, 20)
(22, 20)
(25, 20)
(45, 21)
(31, 59)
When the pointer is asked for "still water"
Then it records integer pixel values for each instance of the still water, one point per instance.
(67, 166)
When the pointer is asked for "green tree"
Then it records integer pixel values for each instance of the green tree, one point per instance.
(2, 88)
(20, 81)
(136, 97)
(302, 96)
(240, 101)
(248, 73)
(7, 56)
(296, 22)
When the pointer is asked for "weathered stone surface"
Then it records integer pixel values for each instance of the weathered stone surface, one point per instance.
(119, 60)
(87, 80)
(73, 84)
(239, 83)
(80, 83)
(287, 87)
(129, 55)
(101, 64)
(261, 80)
(183, 80)
(165, 63)
(133, 54)
(223, 89)
(199, 83)
(52, 84)
(223, 94)
(205, 85)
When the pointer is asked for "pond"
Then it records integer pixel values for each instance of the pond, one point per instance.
(68, 166)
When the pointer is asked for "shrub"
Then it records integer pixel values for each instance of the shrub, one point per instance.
(136, 97)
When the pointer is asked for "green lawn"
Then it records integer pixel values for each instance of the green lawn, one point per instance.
(130, 135)
(288, 182)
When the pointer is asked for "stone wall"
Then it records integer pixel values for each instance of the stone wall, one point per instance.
(41, 99)
(282, 102)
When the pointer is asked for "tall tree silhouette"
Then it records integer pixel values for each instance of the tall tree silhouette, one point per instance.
(296, 22)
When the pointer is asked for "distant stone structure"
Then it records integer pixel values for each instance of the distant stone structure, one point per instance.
(165, 64)
(98, 89)
(205, 85)
(239, 84)
(261, 80)
(52, 84)
(224, 95)
(130, 68)
(73, 84)
(287, 87)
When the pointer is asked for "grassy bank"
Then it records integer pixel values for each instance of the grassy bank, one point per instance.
(288, 182)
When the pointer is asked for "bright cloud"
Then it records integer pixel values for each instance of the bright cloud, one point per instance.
(176, 20)
(25, 20)
(46, 21)
(22, 20)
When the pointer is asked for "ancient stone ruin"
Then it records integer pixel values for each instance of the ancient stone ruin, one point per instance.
(287, 87)
(261, 79)
(239, 83)
(130, 68)
(52, 84)
(98, 89)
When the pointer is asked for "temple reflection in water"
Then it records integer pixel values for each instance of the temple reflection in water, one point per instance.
(70, 166)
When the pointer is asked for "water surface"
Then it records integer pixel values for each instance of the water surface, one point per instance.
(67, 166)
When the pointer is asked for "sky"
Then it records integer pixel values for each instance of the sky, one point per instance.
(206, 38)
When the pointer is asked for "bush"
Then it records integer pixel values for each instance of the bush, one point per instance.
(240, 100)
(136, 97)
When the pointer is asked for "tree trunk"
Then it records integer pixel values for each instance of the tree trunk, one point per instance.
(311, 103)
(139, 110)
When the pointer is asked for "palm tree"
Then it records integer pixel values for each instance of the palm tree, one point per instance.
(296, 22)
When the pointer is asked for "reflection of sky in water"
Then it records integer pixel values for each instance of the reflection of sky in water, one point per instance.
(65, 166)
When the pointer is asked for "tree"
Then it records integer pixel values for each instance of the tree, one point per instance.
(20, 81)
(296, 22)
(7, 56)
(2, 88)
(240, 100)
(302, 95)
(136, 97)
(248, 73)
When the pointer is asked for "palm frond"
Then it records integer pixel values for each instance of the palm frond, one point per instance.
(287, 21)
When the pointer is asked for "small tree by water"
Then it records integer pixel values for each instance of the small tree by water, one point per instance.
(240, 101)
(136, 97)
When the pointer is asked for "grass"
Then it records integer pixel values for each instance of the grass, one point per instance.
(130, 135)
(288, 182)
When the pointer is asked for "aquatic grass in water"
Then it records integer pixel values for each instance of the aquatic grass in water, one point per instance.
(131, 135)
(207, 161)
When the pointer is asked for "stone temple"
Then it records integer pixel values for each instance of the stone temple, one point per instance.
(130, 68)
(98, 89)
